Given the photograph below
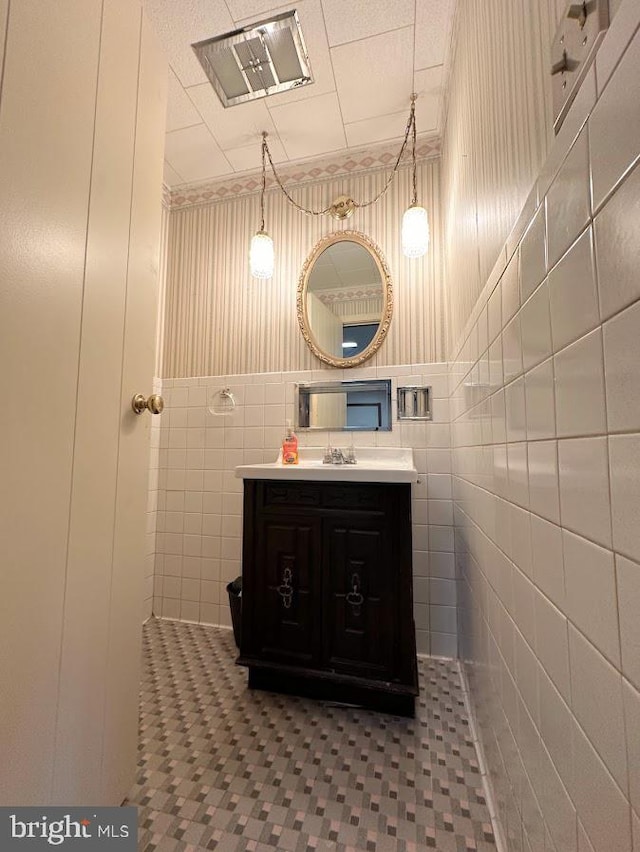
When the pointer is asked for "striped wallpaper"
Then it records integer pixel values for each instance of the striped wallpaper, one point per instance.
(497, 134)
(217, 320)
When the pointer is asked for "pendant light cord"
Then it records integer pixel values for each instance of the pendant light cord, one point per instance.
(411, 124)
(410, 128)
(264, 180)
(265, 147)
(412, 119)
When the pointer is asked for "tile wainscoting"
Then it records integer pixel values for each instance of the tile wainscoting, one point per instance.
(196, 499)
(546, 476)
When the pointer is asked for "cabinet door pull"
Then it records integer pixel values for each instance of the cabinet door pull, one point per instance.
(285, 589)
(355, 598)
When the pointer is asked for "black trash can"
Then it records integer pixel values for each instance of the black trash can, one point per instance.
(235, 603)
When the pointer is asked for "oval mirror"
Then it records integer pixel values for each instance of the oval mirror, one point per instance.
(345, 299)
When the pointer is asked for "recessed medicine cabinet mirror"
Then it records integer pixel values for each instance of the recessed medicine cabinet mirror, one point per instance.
(345, 406)
(345, 299)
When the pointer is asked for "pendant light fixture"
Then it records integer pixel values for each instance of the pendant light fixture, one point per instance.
(261, 253)
(415, 222)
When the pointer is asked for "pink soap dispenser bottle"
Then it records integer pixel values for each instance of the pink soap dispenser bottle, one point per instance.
(289, 446)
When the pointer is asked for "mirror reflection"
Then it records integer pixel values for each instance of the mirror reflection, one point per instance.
(351, 406)
(345, 299)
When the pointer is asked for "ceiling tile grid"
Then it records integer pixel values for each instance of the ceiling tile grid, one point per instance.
(433, 32)
(194, 154)
(374, 76)
(310, 127)
(352, 20)
(181, 111)
(366, 56)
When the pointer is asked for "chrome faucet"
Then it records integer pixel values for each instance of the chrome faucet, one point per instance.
(334, 455)
(337, 456)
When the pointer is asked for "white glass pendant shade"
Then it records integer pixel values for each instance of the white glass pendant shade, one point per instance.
(261, 255)
(415, 232)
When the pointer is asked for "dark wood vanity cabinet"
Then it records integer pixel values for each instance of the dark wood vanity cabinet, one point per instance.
(327, 591)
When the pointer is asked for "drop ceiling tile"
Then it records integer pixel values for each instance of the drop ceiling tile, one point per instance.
(253, 9)
(365, 86)
(433, 31)
(249, 158)
(350, 20)
(375, 104)
(428, 85)
(379, 129)
(315, 37)
(311, 127)
(194, 154)
(234, 126)
(179, 25)
(170, 176)
(180, 110)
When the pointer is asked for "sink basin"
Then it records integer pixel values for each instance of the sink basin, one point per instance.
(375, 464)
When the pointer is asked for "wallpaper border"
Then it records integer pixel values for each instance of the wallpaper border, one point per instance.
(345, 163)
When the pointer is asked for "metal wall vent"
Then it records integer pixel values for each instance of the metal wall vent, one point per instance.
(255, 61)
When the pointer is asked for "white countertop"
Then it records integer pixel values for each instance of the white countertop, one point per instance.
(374, 464)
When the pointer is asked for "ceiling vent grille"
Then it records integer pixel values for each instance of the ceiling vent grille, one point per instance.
(255, 61)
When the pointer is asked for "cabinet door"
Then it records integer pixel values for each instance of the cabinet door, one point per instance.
(360, 597)
(285, 589)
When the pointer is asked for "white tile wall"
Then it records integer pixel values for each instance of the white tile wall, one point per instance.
(617, 229)
(536, 328)
(584, 487)
(568, 200)
(547, 557)
(628, 577)
(614, 127)
(533, 257)
(596, 700)
(579, 387)
(624, 460)
(512, 349)
(591, 600)
(621, 359)
(573, 293)
(510, 291)
(199, 500)
(540, 402)
(544, 490)
(547, 533)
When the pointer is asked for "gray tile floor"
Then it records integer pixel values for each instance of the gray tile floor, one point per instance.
(224, 768)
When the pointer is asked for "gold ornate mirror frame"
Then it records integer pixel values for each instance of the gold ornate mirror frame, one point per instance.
(387, 308)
